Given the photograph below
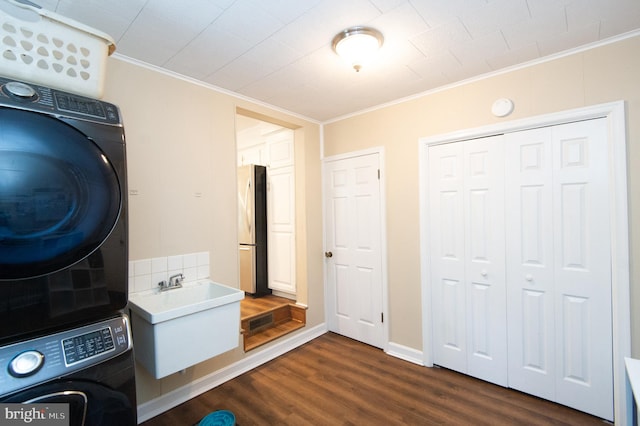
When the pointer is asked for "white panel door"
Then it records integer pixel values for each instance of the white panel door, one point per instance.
(281, 229)
(559, 265)
(447, 247)
(485, 259)
(353, 244)
(469, 306)
(584, 378)
(530, 262)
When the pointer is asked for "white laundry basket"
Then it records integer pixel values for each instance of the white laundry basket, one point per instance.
(45, 48)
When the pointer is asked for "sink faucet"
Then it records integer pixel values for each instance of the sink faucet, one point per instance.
(175, 281)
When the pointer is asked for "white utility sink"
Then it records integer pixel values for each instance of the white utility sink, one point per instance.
(178, 328)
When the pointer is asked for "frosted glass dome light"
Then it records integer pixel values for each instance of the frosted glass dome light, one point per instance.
(357, 45)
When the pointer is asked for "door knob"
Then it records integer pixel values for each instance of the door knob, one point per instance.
(328, 254)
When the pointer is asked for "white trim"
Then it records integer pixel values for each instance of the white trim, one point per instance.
(321, 142)
(353, 154)
(594, 45)
(209, 86)
(614, 112)
(485, 76)
(490, 74)
(481, 77)
(383, 249)
(405, 353)
(383, 232)
(425, 266)
(182, 394)
(284, 294)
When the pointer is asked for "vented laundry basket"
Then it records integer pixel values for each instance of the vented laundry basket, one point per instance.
(45, 48)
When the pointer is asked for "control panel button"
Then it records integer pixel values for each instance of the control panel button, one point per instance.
(26, 363)
(20, 90)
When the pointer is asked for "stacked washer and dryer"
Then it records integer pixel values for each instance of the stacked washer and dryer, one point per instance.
(64, 337)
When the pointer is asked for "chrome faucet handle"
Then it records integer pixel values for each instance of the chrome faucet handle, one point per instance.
(163, 285)
(176, 280)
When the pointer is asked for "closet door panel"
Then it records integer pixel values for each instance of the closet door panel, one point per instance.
(452, 328)
(529, 260)
(447, 256)
(583, 268)
(485, 290)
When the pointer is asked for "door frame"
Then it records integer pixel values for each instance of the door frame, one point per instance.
(614, 113)
(383, 234)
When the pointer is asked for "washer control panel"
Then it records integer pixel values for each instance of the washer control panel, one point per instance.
(19, 94)
(86, 346)
(31, 362)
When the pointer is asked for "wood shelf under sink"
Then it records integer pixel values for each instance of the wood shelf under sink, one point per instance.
(267, 318)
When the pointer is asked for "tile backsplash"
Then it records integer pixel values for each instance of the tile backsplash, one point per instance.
(145, 274)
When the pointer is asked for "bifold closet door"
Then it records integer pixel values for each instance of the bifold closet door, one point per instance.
(559, 265)
(530, 262)
(467, 257)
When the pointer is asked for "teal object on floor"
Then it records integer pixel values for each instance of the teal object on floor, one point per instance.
(218, 418)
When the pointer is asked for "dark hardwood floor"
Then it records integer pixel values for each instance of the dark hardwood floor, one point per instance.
(334, 380)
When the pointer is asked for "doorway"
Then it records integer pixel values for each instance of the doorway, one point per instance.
(269, 146)
(272, 146)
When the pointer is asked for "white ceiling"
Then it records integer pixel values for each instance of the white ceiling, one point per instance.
(279, 51)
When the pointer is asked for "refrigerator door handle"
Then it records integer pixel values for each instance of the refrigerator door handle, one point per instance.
(248, 207)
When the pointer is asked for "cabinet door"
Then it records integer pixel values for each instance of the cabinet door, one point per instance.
(280, 149)
(281, 229)
(252, 155)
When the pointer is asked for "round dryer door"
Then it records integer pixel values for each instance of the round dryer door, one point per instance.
(82, 403)
(59, 195)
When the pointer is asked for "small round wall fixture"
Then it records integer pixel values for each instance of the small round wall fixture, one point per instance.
(502, 107)
(357, 45)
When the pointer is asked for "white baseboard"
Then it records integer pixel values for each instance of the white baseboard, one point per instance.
(405, 353)
(176, 397)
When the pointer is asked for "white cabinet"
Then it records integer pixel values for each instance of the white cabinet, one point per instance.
(281, 228)
(274, 150)
(252, 155)
(520, 261)
(281, 208)
(279, 147)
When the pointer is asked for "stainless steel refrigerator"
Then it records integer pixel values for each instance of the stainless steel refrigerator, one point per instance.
(252, 229)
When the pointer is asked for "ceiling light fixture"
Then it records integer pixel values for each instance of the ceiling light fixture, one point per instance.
(357, 45)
